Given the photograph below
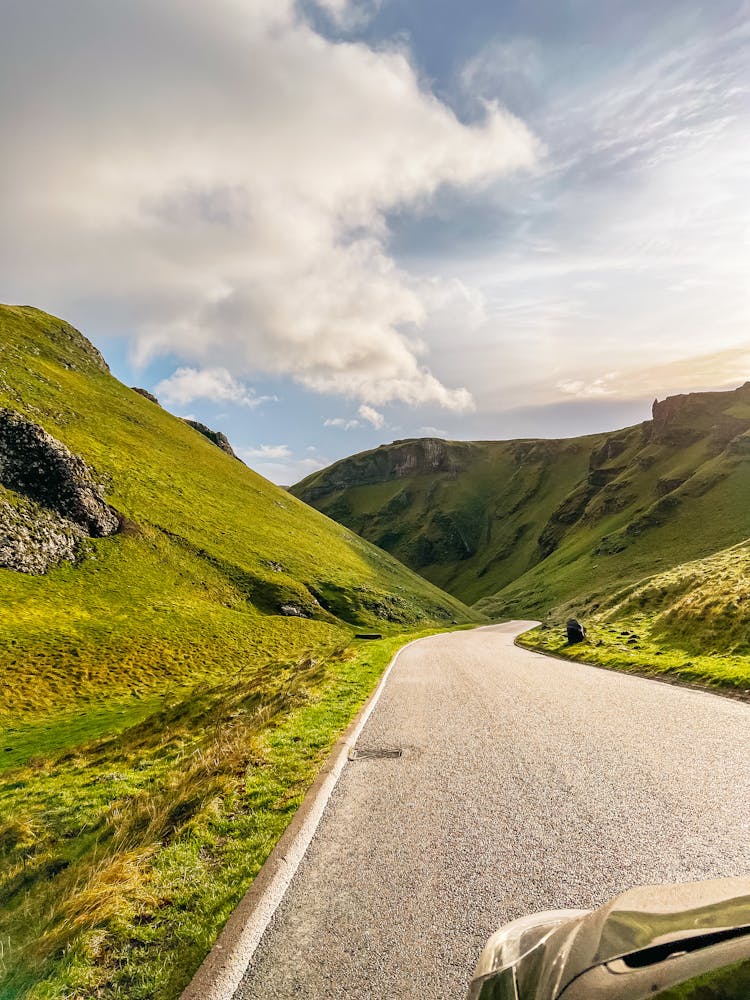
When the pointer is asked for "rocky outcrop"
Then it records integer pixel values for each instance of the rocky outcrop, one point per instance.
(50, 501)
(681, 420)
(215, 437)
(399, 460)
(33, 539)
(146, 393)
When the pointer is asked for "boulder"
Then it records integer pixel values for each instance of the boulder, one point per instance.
(215, 437)
(49, 499)
(576, 631)
(146, 393)
(33, 539)
(39, 467)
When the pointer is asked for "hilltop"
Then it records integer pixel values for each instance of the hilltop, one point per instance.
(517, 527)
(177, 656)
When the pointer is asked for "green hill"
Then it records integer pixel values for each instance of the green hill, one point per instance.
(517, 527)
(169, 690)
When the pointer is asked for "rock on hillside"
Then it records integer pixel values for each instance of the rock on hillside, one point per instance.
(146, 394)
(215, 437)
(400, 460)
(50, 500)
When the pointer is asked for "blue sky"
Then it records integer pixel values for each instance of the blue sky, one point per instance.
(324, 225)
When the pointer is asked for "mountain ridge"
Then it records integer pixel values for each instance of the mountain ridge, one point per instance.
(478, 517)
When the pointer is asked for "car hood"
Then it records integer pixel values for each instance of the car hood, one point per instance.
(633, 921)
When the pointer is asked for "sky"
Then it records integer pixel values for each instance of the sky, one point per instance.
(323, 225)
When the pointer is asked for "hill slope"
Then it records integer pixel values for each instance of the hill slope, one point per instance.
(690, 622)
(176, 659)
(214, 562)
(516, 527)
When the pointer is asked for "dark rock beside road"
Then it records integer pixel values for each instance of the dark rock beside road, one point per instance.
(576, 631)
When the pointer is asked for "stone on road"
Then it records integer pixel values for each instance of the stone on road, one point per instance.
(526, 783)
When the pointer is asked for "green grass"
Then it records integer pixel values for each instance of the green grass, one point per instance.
(211, 552)
(122, 858)
(691, 623)
(518, 527)
(160, 717)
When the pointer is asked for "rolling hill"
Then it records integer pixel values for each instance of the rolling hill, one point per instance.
(518, 527)
(177, 656)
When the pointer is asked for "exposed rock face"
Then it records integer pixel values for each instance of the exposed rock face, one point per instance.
(215, 437)
(146, 393)
(679, 420)
(53, 501)
(32, 538)
(400, 460)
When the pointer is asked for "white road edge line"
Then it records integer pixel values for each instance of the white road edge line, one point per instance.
(224, 967)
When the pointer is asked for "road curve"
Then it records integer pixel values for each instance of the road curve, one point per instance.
(526, 783)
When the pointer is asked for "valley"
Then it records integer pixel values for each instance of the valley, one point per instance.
(633, 531)
(179, 648)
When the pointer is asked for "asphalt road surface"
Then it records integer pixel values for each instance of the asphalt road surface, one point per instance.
(526, 783)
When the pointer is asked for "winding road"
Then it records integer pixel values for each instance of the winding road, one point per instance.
(525, 783)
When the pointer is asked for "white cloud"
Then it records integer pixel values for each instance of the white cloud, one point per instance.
(189, 384)
(239, 220)
(371, 415)
(342, 423)
(350, 14)
(288, 471)
(594, 389)
(267, 451)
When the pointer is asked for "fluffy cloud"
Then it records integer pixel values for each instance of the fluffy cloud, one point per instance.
(216, 384)
(371, 415)
(596, 388)
(349, 14)
(227, 202)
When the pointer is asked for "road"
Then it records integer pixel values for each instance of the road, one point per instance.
(525, 783)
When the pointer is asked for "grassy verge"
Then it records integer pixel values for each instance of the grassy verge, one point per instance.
(629, 646)
(122, 858)
(689, 624)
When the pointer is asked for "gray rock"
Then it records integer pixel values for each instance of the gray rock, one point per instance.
(215, 437)
(39, 467)
(293, 611)
(51, 501)
(146, 393)
(33, 539)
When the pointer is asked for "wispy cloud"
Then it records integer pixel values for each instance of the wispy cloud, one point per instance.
(267, 451)
(342, 423)
(216, 384)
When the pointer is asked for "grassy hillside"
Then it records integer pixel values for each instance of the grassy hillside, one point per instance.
(147, 687)
(518, 527)
(465, 514)
(691, 623)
